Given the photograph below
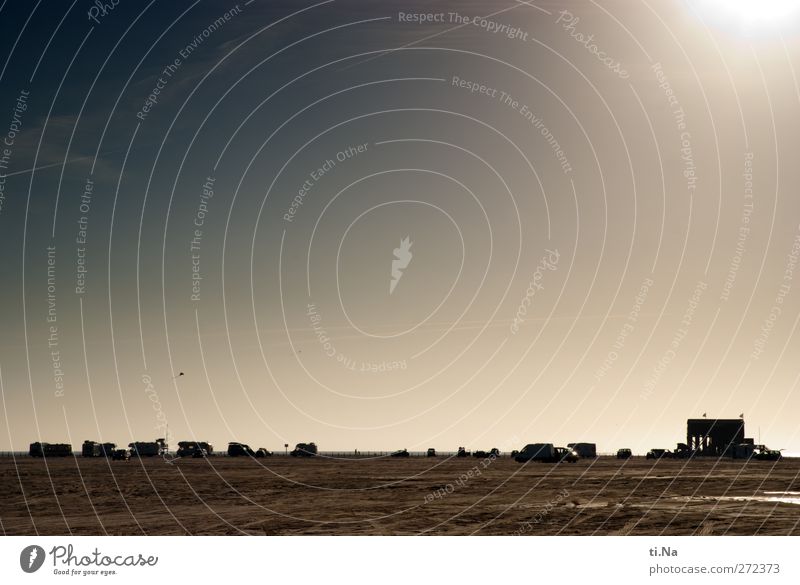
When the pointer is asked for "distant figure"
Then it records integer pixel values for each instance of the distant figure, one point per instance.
(704, 415)
(402, 256)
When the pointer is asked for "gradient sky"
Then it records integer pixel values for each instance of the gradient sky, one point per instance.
(599, 257)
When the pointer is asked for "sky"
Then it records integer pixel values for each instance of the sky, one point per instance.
(400, 224)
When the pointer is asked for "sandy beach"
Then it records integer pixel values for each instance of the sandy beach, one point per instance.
(285, 496)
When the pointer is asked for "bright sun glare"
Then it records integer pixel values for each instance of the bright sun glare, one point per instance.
(749, 16)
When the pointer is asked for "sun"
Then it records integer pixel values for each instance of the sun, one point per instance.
(750, 17)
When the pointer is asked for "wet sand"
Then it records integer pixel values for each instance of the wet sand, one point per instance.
(284, 496)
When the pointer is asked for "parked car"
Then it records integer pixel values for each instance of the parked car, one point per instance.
(536, 452)
(765, 454)
(91, 449)
(401, 453)
(493, 452)
(50, 450)
(659, 454)
(148, 448)
(194, 449)
(121, 454)
(584, 450)
(462, 452)
(546, 453)
(624, 453)
(262, 452)
(304, 450)
(682, 451)
(431, 452)
(240, 450)
(566, 455)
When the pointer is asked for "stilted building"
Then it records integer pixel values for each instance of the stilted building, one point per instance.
(714, 437)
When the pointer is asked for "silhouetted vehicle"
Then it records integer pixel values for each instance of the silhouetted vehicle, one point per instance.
(262, 452)
(95, 449)
(493, 452)
(514, 454)
(190, 449)
(400, 453)
(50, 450)
(761, 453)
(431, 452)
(91, 449)
(624, 453)
(682, 451)
(546, 453)
(462, 452)
(304, 450)
(240, 450)
(659, 454)
(121, 454)
(199, 453)
(565, 454)
(148, 449)
(536, 452)
(584, 450)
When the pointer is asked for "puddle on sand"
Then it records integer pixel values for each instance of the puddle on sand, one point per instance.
(785, 497)
(768, 497)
